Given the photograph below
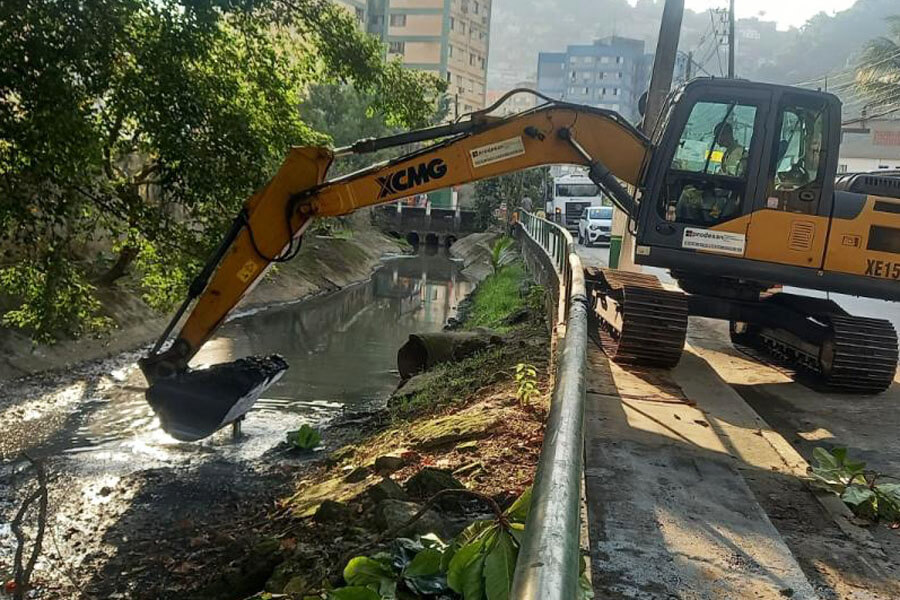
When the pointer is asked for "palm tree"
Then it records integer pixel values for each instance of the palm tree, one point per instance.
(878, 72)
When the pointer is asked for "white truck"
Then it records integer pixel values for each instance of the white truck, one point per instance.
(569, 195)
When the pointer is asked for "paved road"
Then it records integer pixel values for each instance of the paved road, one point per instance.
(695, 477)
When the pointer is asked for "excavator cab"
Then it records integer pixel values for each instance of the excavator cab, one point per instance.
(742, 176)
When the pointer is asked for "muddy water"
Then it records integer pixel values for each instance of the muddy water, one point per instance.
(341, 348)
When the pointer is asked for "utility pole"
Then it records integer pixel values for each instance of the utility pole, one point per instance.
(621, 247)
(731, 40)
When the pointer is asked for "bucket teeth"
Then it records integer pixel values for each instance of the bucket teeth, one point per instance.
(195, 404)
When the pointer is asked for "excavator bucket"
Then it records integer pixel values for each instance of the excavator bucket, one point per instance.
(197, 403)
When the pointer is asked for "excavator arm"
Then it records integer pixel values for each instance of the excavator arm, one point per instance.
(269, 227)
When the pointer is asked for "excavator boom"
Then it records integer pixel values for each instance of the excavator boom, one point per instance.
(192, 404)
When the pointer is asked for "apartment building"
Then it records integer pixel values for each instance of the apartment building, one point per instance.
(611, 73)
(447, 37)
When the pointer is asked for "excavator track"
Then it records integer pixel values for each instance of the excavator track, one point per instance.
(858, 354)
(637, 320)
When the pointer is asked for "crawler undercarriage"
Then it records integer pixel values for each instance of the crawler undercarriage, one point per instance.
(638, 321)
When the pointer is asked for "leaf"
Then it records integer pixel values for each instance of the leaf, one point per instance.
(519, 509)
(517, 530)
(426, 563)
(424, 574)
(305, 438)
(363, 570)
(825, 459)
(499, 566)
(462, 560)
(856, 495)
(354, 593)
(472, 580)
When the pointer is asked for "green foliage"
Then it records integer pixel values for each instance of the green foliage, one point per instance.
(478, 564)
(512, 189)
(878, 71)
(497, 297)
(501, 252)
(526, 383)
(857, 486)
(57, 300)
(146, 139)
(305, 438)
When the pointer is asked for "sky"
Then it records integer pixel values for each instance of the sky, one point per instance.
(786, 13)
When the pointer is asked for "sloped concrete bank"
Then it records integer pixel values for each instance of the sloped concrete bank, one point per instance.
(324, 265)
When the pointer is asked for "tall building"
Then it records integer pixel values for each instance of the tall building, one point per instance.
(447, 37)
(611, 73)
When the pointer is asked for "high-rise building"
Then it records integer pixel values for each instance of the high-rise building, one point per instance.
(447, 37)
(611, 73)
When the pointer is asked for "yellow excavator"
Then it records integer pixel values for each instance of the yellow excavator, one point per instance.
(735, 193)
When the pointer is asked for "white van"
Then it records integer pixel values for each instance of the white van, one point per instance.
(595, 225)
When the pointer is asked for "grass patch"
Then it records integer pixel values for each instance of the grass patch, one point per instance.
(498, 296)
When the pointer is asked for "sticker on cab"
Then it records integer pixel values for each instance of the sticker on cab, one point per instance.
(499, 151)
(709, 240)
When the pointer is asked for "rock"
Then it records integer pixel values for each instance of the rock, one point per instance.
(332, 512)
(388, 464)
(453, 429)
(387, 489)
(429, 481)
(518, 316)
(394, 513)
(356, 475)
(297, 585)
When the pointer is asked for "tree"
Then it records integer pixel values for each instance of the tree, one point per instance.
(512, 188)
(132, 130)
(878, 74)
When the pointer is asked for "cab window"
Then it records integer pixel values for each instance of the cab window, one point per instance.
(707, 179)
(796, 174)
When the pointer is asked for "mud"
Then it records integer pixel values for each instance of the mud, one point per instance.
(133, 510)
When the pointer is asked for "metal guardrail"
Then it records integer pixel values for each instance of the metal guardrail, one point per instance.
(550, 558)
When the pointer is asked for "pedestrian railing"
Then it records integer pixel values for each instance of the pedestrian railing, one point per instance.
(549, 560)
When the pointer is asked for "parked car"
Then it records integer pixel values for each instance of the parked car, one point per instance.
(595, 225)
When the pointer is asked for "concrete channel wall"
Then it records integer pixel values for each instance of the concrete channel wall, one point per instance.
(549, 559)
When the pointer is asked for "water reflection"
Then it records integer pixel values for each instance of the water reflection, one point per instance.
(341, 348)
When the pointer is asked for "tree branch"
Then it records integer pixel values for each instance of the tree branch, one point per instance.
(23, 573)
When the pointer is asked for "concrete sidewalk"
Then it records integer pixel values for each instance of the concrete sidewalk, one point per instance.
(670, 513)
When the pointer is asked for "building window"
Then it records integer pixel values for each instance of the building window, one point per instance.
(842, 168)
(449, 77)
(464, 6)
(360, 15)
(585, 90)
(573, 90)
(602, 91)
(475, 7)
(615, 91)
(462, 28)
(601, 75)
(573, 76)
(604, 59)
(619, 75)
(468, 108)
(398, 20)
(452, 24)
(573, 59)
(450, 50)
(377, 21)
(396, 47)
(471, 60)
(619, 60)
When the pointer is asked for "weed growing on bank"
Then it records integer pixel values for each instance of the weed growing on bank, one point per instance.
(497, 297)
